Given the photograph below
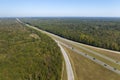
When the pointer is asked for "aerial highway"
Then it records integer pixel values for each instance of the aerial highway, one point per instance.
(96, 53)
(92, 58)
(67, 43)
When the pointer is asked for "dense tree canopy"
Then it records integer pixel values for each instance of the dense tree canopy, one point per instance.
(26, 54)
(100, 32)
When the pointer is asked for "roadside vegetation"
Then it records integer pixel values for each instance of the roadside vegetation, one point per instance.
(100, 32)
(26, 54)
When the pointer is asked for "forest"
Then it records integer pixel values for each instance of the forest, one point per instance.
(100, 32)
(26, 54)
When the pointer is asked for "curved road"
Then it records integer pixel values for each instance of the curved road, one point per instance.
(70, 73)
(68, 64)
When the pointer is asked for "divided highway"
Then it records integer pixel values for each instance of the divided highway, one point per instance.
(93, 59)
(96, 53)
(60, 40)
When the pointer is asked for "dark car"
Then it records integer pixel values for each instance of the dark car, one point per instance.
(105, 64)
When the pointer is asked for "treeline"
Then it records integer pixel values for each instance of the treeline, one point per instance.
(100, 32)
(26, 54)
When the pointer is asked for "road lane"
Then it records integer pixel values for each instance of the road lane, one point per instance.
(68, 64)
(98, 54)
(93, 59)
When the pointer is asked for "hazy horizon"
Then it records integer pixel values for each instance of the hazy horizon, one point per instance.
(59, 8)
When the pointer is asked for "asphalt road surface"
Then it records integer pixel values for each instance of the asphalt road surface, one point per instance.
(70, 73)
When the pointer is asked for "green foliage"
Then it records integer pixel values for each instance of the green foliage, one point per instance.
(100, 32)
(26, 54)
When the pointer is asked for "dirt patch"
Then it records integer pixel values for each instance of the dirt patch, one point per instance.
(35, 36)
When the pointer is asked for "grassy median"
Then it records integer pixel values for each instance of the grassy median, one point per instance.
(86, 69)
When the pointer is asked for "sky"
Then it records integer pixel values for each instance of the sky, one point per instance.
(59, 8)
